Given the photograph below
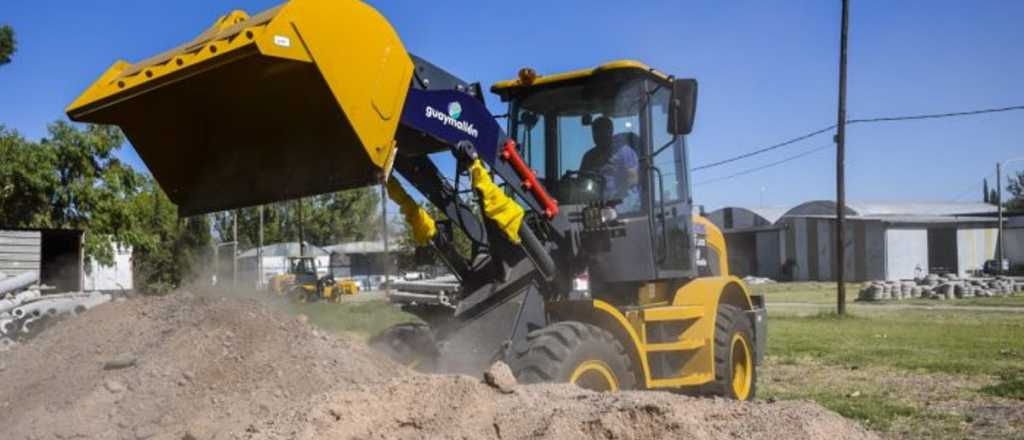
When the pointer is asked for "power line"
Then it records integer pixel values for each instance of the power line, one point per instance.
(857, 121)
(765, 149)
(769, 165)
(937, 115)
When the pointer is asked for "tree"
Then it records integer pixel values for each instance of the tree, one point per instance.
(328, 219)
(94, 188)
(26, 181)
(984, 192)
(8, 45)
(72, 180)
(171, 251)
(1016, 189)
(462, 242)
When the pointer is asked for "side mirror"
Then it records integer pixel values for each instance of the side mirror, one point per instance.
(682, 106)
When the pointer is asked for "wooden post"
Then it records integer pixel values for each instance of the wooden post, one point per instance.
(841, 169)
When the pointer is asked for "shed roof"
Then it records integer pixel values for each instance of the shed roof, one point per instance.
(761, 217)
(364, 247)
(289, 249)
(879, 209)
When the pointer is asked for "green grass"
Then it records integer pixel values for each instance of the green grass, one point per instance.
(1010, 385)
(997, 301)
(363, 319)
(956, 342)
(814, 292)
(874, 409)
(805, 292)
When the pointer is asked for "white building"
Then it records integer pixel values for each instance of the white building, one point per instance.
(275, 262)
(117, 276)
(883, 240)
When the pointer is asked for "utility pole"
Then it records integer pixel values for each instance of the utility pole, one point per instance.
(259, 253)
(384, 228)
(302, 233)
(234, 250)
(841, 169)
(999, 190)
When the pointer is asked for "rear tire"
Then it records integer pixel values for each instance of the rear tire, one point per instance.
(574, 352)
(410, 344)
(735, 372)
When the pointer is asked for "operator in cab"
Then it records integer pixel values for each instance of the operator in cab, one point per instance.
(615, 160)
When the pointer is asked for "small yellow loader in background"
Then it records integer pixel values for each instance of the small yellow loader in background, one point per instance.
(588, 177)
(303, 283)
(301, 271)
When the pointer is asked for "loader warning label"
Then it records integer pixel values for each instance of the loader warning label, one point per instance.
(282, 41)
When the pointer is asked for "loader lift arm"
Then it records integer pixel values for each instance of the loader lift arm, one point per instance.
(507, 268)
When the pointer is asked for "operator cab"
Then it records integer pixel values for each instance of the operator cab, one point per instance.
(609, 138)
(304, 269)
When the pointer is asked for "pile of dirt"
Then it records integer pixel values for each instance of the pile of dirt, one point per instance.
(195, 367)
(460, 407)
(164, 367)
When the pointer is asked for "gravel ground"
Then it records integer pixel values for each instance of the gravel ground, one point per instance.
(196, 367)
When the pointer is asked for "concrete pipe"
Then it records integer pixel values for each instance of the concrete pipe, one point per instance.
(18, 282)
(8, 326)
(30, 324)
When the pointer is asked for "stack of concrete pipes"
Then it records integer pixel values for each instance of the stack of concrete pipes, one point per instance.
(24, 310)
(942, 287)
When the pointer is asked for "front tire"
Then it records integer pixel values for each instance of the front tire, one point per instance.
(735, 372)
(574, 352)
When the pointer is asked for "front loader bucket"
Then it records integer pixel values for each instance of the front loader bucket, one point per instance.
(301, 99)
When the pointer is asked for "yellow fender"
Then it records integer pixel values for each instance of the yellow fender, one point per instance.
(703, 293)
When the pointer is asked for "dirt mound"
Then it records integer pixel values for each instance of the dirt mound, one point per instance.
(161, 367)
(457, 407)
(188, 367)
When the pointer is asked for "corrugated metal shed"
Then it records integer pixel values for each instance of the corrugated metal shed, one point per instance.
(56, 254)
(875, 209)
(732, 217)
(20, 251)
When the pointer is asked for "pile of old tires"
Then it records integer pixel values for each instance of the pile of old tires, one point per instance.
(941, 287)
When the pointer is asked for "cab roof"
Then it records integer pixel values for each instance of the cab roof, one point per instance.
(507, 88)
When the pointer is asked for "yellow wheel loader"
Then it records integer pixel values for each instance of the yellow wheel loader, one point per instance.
(301, 271)
(588, 178)
(303, 283)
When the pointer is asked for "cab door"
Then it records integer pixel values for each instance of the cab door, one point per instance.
(670, 204)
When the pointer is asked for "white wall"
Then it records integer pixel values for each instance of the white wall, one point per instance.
(974, 247)
(114, 277)
(1014, 246)
(906, 250)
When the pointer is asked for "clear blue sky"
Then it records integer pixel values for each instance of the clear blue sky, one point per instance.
(767, 72)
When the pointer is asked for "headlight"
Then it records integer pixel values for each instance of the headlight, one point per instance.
(594, 217)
